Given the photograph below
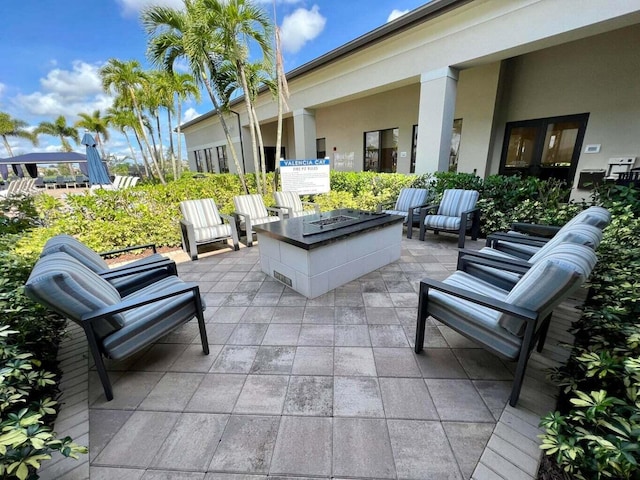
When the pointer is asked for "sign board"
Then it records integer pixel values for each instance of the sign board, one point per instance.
(305, 177)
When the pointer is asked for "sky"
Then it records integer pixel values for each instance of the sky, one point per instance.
(52, 51)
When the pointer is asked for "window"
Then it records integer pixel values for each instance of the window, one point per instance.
(223, 164)
(455, 145)
(414, 145)
(208, 160)
(381, 150)
(198, 156)
(321, 147)
(544, 147)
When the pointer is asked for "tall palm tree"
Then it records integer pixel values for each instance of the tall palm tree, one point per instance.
(125, 78)
(190, 34)
(241, 23)
(97, 124)
(59, 129)
(123, 119)
(14, 127)
(184, 86)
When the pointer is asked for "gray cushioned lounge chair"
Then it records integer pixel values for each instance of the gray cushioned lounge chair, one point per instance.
(507, 323)
(115, 326)
(292, 206)
(408, 204)
(251, 210)
(457, 212)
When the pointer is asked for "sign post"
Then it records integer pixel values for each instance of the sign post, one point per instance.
(305, 177)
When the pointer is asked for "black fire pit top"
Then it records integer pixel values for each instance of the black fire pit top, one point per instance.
(312, 231)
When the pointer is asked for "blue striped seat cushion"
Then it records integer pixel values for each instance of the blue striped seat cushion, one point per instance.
(148, 323)
(71, 289)
(206, 234)
(78, 250)
(442, 222)
(290, 200)
(251, 205)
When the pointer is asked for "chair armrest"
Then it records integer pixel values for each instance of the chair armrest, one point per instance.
(277, 211)
(228, 218)
(537, 229)
(285, 210)
(519, 262)
(497, 237)
(491, 261)
(124, 272)
(125, 304)
(128, 249)
(492, 303)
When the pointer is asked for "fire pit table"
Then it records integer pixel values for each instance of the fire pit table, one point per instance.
(316, 253)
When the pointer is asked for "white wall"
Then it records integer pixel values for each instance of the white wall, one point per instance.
(599, 75)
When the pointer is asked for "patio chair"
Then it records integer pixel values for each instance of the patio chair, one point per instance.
(203, 224)
(13, 189)
(408, 204)
(127, 278)
(292, 206)
(504, 270)
(116, 326)
(81, 181)
(507, 323)
(594, 215)
(250, 211)
(525, 245)
(456, 212)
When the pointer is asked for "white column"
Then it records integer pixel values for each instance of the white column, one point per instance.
(304, 127)
(435, 119)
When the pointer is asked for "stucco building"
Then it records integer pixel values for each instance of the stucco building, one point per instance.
(544, 87)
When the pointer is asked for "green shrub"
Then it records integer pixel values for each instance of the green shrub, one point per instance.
(596, 432)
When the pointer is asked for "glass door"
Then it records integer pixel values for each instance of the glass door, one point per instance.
(545, 147)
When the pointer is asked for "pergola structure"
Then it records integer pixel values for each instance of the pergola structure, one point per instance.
(31, 161)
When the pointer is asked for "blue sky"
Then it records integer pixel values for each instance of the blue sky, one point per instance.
(52, 50)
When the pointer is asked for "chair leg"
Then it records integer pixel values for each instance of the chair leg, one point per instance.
(201, 325)
(423, 299)
(99, 362)
(523, 359)
(542, 335)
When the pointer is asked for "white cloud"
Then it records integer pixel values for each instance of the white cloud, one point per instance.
(189, 114)
(66, 92)
(301, 27)
(395, 13)
(2, 88)
(133, 7)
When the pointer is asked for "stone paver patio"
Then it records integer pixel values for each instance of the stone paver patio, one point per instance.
(298, 388)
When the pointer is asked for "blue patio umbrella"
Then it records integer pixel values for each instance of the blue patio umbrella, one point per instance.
(98, 174)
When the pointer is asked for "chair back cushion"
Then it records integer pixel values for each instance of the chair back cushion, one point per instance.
(582, 234)
(78, 250)
(411, 197)
(63, 284)
(252, 205)
(289, 200)
(456, 201)
(548, 283)
(597, 216)
(201, 213)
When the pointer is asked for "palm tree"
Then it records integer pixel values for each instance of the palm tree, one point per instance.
(13, 127)
(184, 86)
(190, 34)
(241, 23)
(59, 129)
(123, 119)
(125, 78)
(97, 124)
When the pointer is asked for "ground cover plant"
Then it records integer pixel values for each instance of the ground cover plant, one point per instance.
(29, 336)
(595, 434)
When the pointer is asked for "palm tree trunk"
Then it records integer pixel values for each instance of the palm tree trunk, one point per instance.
(136, 108)
(160, 150)
(263, 162)
(225, 128)
(147, 169)
(133, 153)
(179, 138)
(254, 144)
(172, 152)
(7, 146)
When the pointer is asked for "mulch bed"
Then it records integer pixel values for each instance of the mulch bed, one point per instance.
(549, 470)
